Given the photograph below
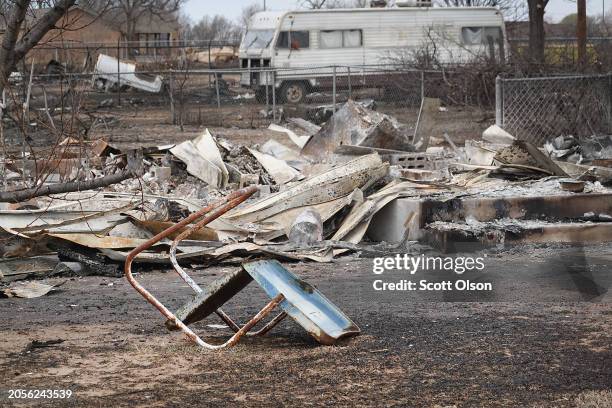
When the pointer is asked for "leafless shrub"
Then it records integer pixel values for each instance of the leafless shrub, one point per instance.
(469, 81)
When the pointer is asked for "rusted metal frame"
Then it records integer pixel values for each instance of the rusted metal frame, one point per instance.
(240, 333)
(234, 199)
(279, 318)
(233, 202)
(232, 325)
(183, 274)
(251, 323)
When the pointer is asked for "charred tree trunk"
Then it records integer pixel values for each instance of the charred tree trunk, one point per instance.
(536, 30)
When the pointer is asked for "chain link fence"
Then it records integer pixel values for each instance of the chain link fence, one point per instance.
(229, 98)
(316, 92)
(537, 109)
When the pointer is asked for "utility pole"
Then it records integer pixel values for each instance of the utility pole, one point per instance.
(581, 32)
(264, 5)
(603, 18)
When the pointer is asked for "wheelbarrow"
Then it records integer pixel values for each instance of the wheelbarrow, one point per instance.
(296, 298)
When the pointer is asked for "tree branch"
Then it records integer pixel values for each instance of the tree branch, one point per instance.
(25, 195)
(134, 169)
(42, 26)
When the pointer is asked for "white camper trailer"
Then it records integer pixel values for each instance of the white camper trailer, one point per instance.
(290, 42)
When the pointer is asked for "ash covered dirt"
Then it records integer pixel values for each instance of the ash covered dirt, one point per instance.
(543, 345)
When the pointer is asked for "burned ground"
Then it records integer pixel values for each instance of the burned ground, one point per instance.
(527, 350)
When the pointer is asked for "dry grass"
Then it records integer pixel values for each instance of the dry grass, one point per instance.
(594, 399)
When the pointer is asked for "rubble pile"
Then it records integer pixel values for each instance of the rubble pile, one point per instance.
(323, 193)
(242, 162)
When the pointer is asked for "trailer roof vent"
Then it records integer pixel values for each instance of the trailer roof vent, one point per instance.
(378, 3)
(413, 3)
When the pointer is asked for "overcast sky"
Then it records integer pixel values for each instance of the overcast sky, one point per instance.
(196, 9)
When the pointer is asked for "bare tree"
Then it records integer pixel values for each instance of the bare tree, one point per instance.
(185, 23)
(129, 13)
(514, 9)
(536, 29)
(16, 42)
(313, 4)
(21, 36)
(333, 4)
(217, 28)
(248, 12)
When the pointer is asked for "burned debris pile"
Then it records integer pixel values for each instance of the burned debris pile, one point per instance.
(322, 192)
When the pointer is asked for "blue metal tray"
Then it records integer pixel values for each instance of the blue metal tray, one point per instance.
(304, 303)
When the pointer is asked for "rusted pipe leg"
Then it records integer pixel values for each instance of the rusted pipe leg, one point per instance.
(242, 194)
(256, 319)
(232, 202)
(279, 318)
(183, 274)
(227, 320)
(232, 325)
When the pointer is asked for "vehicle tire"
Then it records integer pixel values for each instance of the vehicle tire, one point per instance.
(293, 92)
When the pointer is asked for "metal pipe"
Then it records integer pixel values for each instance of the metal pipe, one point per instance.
(217, 89)
(610, 103)
(231, 203)
(499, 109)
(119, 72)
(183, 274)
(422, 85)
(274, 96)
(334, 90)
(350, 87)
(166, 233)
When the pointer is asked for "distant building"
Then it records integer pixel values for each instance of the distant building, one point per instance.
(82, 35)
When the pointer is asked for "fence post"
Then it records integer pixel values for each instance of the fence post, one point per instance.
(172, 107)
(274, 96)
(267, 90)
(334, 90)
(217, 89)
(119, 72)
(422, 86)
(350, 85)
(3, 182)
(610, 102)
(209, 62)
(499, 102)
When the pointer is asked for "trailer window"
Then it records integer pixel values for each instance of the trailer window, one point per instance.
(257, 39)
(295, 40)
(480, 35)
(341, 39)
(331, 39)
(352, 38)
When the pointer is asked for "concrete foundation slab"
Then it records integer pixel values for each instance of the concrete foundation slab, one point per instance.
(450, 237)
(406, 218)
